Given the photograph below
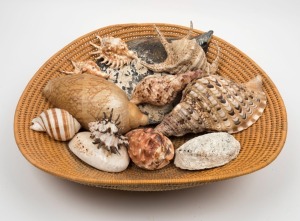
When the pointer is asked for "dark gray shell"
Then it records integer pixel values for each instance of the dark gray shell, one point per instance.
(128, 76)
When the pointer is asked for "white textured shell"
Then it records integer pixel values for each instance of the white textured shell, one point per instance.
(215, 103)
(58, 123)
(207, 151)
(113, 51)
(100, 158)
(183, 55)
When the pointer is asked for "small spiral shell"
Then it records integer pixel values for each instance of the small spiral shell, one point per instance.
(57, 123)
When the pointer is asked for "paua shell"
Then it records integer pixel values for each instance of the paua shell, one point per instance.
(89, 67)
(149, 149)
(113, 51)
(105, 133)
(207, 151)
(183, 55)
(83, 147)
(57, 123)
(88, 97)
(161, 90)
(215, 103)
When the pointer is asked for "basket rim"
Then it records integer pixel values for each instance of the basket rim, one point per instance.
(147, 181)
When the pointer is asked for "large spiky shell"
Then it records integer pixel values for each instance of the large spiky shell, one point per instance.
(88, 97)
(57, 123)
(214, 103)
(161, 90)
(113, 51)
(183, 55)
(149, 149)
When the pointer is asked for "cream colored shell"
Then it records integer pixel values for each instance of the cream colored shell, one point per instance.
(57, 123)
(215, 103)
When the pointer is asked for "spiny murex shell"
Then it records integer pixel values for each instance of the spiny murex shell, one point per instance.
(207, 151)
(214, 103)
(161, 90)
(57, 123)
(90, 67)
(113, 51)
(87, 97)
(149, 149)
(183, 55)
(83, 147)
(106, 134)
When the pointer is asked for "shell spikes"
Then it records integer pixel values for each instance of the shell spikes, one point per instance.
(182, 55)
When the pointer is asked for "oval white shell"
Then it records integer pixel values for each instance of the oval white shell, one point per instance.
(100, 158)
(57, 123)
(207, 151)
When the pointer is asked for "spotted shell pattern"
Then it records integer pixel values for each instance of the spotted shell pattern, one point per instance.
(57, 123)
(215, 103)
(113, 51)
(161, 90)
(183, 55)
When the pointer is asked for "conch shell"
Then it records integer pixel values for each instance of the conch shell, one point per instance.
(57, 123)
(113, 52)
(89, 67)
(214, 103)
(183, 55)
(88, 97)
(149, 149)
(161, 90)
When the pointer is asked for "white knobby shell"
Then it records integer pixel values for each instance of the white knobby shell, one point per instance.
(57, 123)
(207, 151)
(83, 147)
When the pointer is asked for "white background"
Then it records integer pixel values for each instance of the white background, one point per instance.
(32, 31)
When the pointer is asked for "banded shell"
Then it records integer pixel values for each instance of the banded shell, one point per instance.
(90, 67)
(100, 158)
(183, 55)
(57, 123)
(106, 133)
(149, 149)
(88, 97)
(214, 103)
(161, 90)
(113, 51)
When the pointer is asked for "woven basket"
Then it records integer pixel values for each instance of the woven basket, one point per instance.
(260, 144)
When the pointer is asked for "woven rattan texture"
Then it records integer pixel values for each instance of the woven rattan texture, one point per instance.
(260, 144)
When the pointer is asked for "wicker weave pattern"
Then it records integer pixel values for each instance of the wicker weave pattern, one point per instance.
(261, 143)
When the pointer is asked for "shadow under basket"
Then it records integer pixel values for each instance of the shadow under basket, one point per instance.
(260, 144)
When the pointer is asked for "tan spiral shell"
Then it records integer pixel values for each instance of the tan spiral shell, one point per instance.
(113, 52)
(57, 123)
(214, 103)
(183, 55)
(161, 90)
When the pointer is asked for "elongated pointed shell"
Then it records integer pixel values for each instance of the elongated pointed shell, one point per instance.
(57, 123)
(88, 97)
(161, 90)
(214, 103)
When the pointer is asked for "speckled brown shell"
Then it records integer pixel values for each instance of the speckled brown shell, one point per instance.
(161, 90)
(113, 51)
(214, 103)
(183, 55)
(149, 149)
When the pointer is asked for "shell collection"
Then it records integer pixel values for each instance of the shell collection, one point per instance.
(162, 81)
(57, 123)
